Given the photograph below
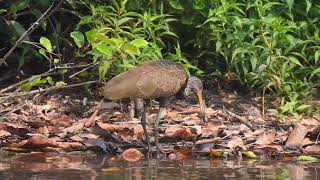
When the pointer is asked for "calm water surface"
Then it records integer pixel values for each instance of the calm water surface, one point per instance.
(43, 166)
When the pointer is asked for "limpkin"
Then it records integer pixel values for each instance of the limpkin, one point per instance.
(157, 79)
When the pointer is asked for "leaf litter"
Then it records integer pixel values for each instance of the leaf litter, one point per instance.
(61, 123)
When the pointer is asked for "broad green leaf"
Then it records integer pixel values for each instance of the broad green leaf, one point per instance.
(60, 84)
(130, 49)
(123, 20)
(303, 107)
(316, 56)
(307, 158)
(315, 72)
(176, 4)
(249, 154)
(103, 69)
(218, 45)
(43, 53)
(50, 81)
(295, 60)
(139, 43)
(309, 4)
(105, 49)
(290, 4)
(198, 4)
(17, 27)
(45, 42)
(78, 38)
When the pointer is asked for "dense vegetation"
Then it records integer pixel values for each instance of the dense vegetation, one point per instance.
(270, 46)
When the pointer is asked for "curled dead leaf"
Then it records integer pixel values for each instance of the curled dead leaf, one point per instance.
(178, 132)
(4, 133)
(64, 121)
(35, 142)
(110, 127)
(296, 137)
(235, 142)
(266, 138)
(132, 154)
(312, 150)
(177, 156)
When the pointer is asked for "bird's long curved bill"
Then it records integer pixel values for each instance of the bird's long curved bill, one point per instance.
(202, 105)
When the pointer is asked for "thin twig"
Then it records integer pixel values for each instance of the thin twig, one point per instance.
(33, 27)
(49, 72)
(84, 69)
(49, 89)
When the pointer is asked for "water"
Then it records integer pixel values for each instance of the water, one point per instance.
(52, 166)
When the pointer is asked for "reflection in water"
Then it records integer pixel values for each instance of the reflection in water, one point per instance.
(40, 166)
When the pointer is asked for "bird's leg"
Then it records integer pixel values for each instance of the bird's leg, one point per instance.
(162, 110)
(140, 108)
(131, 110)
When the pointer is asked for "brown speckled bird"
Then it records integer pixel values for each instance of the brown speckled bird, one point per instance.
(158, 79)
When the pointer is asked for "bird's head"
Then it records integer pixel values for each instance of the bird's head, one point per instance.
(194, 86)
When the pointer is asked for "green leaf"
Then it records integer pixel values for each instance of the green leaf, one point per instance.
(123, 20)
(43, 53)
(290, 4)
(50, 81)
(295, 60)
(103, 69)
(309, 4)
(139, 43)
(218, 45)
(316, 56)
(17, 27)
(60, 84)
(249, 154)
(45, 42)
(303, 107)
(307, 158)
(130, 49)
(78, 38)
(198, 4)
(315, 72)
(105, 49)
(176, 4)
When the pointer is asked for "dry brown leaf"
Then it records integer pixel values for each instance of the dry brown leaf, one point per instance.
(35, 142)
(296, 137)
(235, 142)
(76, 138)
(312, 150)
(208, 141)
(311, 124)
(4, 133)
(132, 154)
(273, 148)
(64, 121)
(110, 127)
(71, 145)
(74, 128)
(178, 132)
(177, 156)
(266, 138)
(307, 142)
(212, 128)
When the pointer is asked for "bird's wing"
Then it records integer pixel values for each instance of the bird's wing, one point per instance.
(146, 85)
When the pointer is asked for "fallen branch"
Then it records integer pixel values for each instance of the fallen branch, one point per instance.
(49, 89)
(242, 120)
(49, 72)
